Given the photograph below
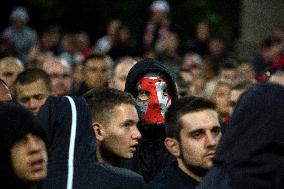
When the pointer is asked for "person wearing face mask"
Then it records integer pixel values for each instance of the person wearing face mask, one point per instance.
(154, 89)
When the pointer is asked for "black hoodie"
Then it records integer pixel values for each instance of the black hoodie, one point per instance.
(251, 152)
(72, 155)
(15, 123)
(151, 156)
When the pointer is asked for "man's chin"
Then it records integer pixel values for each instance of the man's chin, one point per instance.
(35, 113)
(126, 157)
(198, 170)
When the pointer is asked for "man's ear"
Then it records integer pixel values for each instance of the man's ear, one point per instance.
(98, 129)
(173, 146)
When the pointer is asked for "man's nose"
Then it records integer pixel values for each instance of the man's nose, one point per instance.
(211, 140)
(33, 143)
(136, 133)
(32, 103)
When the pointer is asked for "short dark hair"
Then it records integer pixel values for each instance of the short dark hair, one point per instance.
(181, 107)
(103, 100)
(31, 75)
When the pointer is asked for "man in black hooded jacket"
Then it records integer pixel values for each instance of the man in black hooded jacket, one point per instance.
(251, 152)
(153, 86)
(23, 159)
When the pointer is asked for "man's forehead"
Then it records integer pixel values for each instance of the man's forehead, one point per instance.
(57, 68)
(59, 71)
(10, 67)
(125, 111)
(203, 119)
(153, 75)
(36, 87)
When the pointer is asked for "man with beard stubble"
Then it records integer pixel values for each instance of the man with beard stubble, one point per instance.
(192, 135)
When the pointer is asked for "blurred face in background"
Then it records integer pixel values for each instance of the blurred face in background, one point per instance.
(121, 72)
(96, 73)
(230, 74)
(18, 23)
(216, 47)
(202, 31)
(49, 39)
(113, 27)
(246, 72)
(221, 96)
(32, 96)
(60, 74)
(10, 68)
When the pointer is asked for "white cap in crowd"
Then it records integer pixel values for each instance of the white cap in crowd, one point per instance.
(160, 5)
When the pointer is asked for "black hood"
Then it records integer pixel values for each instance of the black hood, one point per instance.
(257, 122)
(251, 152)
(71, 137)
(15, 123)
(57, 115)
(146, 66)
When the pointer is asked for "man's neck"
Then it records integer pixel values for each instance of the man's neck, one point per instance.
(106, 158)
(184, 169)
(34, 186)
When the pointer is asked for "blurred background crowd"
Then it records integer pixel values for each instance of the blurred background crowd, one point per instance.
(210, 47)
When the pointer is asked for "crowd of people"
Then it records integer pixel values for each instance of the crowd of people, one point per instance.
(149, 113)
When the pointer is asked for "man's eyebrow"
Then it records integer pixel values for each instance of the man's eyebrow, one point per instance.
(202, 129)
(25, 97)
(130, 121)
(196, 130)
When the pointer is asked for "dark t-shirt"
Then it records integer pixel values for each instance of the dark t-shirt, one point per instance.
(172, 177)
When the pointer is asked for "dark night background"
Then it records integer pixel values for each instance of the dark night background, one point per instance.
(93, 15)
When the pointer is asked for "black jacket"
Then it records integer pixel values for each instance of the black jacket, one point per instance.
(72, 155)
(251, 152)
(172, 177)
(151, 156)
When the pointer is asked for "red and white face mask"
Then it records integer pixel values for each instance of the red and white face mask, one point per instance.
(153, 98)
